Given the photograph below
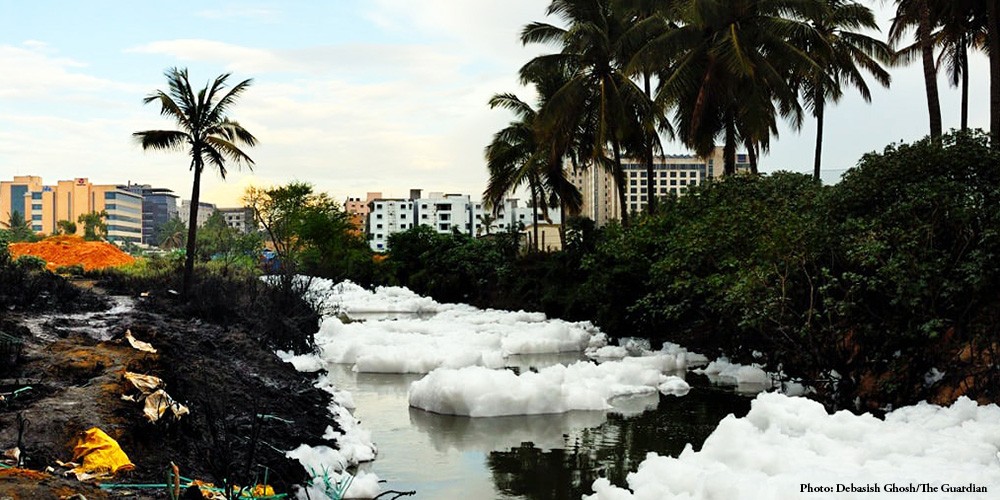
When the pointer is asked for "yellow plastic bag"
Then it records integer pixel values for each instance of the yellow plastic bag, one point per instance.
(99, 456)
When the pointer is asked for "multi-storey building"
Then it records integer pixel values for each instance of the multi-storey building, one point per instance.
(158, 206)
(205, 210)
(672, 175)
(44, 206)
(357, 210)
(238, 218)
(445, 213)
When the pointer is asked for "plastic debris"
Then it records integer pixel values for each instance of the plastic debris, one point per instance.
(159, 402)
(145, 384)
(138, 344)
(99, 456)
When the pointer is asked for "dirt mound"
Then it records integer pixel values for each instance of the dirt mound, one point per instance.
(60, 251)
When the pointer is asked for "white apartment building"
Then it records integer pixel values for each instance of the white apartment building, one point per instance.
(673, 175)
(445, 213)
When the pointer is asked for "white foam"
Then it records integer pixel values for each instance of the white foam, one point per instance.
(785, 442)
(481, 392)
(454, 337)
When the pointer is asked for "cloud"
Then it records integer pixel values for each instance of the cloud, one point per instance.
(34, 71)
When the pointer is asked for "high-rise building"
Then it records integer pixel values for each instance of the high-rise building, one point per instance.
(672, 175)
(158, 206)
(44, 206)
(205, 210)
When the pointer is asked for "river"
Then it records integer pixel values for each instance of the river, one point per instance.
(526, 457)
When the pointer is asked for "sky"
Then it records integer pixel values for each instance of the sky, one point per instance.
(349, 95)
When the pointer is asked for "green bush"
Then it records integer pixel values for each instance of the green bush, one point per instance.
(72, 270)
(30, 263)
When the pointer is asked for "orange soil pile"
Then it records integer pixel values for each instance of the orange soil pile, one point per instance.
(71, 250)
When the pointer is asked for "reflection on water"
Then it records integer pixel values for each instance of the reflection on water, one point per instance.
(526, 457)
(612, 449)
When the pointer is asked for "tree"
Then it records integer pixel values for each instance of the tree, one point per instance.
(732, 72)
(308, 231)
(205, 131)
(94, 227)
(841, 59)
(18, 228)
(598, 93)
(917, 13)
(217, 241)
(172, 234)
(66, 227)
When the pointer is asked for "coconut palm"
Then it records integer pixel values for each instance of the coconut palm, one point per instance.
(916, 14)
(842, 58)
(598, 94)
(205, 132)
(18, 227)
(519, 155)
(963, 26)
(732, 71)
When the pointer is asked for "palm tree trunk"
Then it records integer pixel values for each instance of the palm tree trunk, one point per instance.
(930, 71)
(994, 52)
(729, 149)
(620, 180)
(650, 180)
(534, 211)
(752, 155)
(192, 225)
(818, 159)
(965, 83)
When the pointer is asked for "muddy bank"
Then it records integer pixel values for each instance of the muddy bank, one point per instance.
(246, 406)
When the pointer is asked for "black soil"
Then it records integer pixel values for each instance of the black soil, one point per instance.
(247, 406)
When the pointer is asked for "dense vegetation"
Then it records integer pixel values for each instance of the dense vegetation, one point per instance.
(874, 282)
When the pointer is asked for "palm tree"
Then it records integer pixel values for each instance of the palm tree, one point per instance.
(170, 234)
(917, 13)
(519, 155)
(843, 56)
(206, 132)
(19, 228)
(732, 74)
(598, 93)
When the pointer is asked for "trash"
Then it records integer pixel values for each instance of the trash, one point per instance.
(99, 456)
(138, 344)
(13, 455)
(145, 384)
(159, 402)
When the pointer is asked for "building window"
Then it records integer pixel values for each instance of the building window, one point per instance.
(378, 226)
(378, 216)
(444, 216)
(402, 216)
(633, 182)
(444, 227)
(378, 236)
(673, 182)
(673, 174)
(378, 206)
(423, 216)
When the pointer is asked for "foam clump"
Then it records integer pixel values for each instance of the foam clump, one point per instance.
(455, 336)
(482, 392)
(724, 372)
(786, 442)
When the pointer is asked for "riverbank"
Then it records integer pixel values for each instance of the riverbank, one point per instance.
(247, 407)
